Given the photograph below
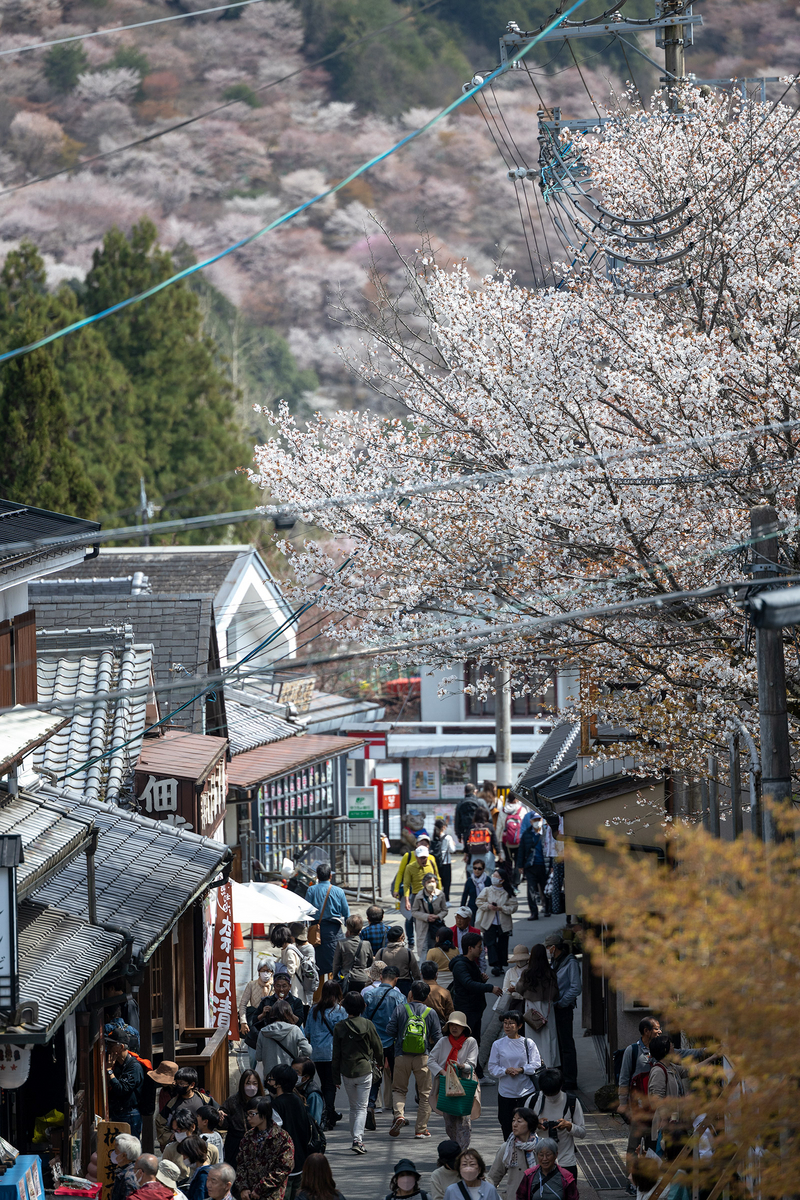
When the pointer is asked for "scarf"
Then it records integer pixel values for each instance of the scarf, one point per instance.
(455, 1047)
(512, 1146)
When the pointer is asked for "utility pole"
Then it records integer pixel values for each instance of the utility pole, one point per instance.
(144, 510)
(673, 41)
(776, 778)
(502, 727)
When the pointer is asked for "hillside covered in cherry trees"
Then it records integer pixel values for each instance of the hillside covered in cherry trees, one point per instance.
(222, 178)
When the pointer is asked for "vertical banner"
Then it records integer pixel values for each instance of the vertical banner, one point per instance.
(222, 1000)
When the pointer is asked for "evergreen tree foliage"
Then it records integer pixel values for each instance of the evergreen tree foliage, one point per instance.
(63, 65)
(40, 464)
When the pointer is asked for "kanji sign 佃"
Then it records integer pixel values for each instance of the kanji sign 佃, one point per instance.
(222, 1000)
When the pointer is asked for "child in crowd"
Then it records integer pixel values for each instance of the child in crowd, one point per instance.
(445, 1172)
(405, 1182)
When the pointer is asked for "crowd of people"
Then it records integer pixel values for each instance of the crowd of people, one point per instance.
(435, 1006)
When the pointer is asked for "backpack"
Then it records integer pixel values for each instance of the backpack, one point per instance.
(309, 973)
(479, 836)
(414, 1036)
(317, 1142)
(511, 830)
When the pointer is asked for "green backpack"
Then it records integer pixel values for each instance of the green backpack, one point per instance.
(414, 1036)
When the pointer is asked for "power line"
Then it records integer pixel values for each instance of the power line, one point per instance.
(82, 37)
(378, 158)
(209, 112)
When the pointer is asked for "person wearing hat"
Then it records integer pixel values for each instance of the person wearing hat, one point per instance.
(169, 1173)
(125, 1081)
(445, 1172)
(568, 975)
(163, 1076)
(398, 890)
(405, 1182)
(457, 1046)
(463, 924)
(420, 864)
(492, 1028)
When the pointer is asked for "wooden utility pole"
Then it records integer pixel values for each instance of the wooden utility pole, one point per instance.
(674, 41)
(776, 771)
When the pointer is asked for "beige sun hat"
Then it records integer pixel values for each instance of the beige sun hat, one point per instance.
(521, 955)
(457, 1018)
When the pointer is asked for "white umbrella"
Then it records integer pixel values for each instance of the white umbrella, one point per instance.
(265, 903)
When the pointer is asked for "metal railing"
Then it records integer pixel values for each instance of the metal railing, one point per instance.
(350, 845)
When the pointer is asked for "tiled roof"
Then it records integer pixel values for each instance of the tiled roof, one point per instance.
(182, 570)
(186, 755)
(49, 837)
(267, 762)
(129, 585)
(559, 749)
(146, 872)
(22, 523)
(61, 958)
(250, 726)
(74, 665)
(179, 628)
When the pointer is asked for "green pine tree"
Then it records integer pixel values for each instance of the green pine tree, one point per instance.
(40, 464)
(185, 402)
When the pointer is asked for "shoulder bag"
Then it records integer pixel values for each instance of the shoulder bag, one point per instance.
(314, 935)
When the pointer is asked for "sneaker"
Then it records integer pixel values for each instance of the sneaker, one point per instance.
(370, 1121)
(423, 1133)
(397, 1125)
(358, 1148)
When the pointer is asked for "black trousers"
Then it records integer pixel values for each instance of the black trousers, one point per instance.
(496, 943)
(374, 1091)
(536, 878)
(505, 1110)
(446, 872)
(474, 1018)
(566, 1046)
(327, 1087)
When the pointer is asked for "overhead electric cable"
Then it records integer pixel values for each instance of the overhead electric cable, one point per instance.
(209, 112)
(187, 271)
(82, 37)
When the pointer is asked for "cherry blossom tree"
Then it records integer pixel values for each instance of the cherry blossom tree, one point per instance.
(491, 377)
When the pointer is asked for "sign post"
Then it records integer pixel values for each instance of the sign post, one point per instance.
(362, 807)
(10, 857)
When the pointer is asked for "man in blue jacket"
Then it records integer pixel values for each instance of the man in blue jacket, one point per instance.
(531, 861)
(332, 910)
(381, 1003)
(568, 972)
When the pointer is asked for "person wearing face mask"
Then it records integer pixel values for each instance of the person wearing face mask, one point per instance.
(196, 1165)
(496, 905)
(475, 884)
(184, 1126)
(532, 862)
(148, 1186)
(472, 1177)
(127, 1149)
(429, 910)
(234, 1110)
(186, 1093)
(254, 992)
(405, 1182)
(547, 1180)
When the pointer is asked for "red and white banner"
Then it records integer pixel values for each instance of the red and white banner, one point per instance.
(222, 1001)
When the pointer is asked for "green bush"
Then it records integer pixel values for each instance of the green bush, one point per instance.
(131, 56)
(63, 65)
(243, 92)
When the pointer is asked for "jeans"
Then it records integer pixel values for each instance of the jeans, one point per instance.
(566, 1046)
(325, 1072)
(458, 1129)
(406, 1065)
(374, 1091)
(134, 1119)
(496, 942)
(536, 878)
(357, 1090)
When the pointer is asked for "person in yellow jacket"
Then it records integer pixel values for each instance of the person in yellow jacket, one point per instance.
(420, 864)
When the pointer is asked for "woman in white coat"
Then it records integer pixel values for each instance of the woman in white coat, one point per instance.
(457, 1046)
(496, 905)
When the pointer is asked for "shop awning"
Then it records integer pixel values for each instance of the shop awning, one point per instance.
(265, 902)
(454, 751)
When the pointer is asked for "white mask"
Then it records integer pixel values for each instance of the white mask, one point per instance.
(469, 1170)
(406, 1183)
(113, 1157)
(264, 974)
(250, 1089)
(181, 1135)
(430, 887)
(497, 880)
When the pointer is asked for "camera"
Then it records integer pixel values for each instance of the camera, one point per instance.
(552, 1129)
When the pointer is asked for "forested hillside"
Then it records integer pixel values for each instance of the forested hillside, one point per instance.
(264, 323)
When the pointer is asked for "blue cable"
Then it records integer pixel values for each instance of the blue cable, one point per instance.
(107, 312)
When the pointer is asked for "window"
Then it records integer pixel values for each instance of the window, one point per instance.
(540, 699)
(294, 810)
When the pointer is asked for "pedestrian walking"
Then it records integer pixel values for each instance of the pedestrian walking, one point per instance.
(458, 1047)
(127, 1149)
(352, 957)
(477, 880)
(398, 955)
(234, 1112)
(309, 1089)
(332, 910)
(481, 842)
(442, 955)
(492, 1026)
(405, 1182)
(445, 1172)
(465, 812)
(634, 1082)
(568, 974)
(472, 1174)
(509, 830)
(443, 848)
(513, 1062)
(377, 931)
(125, 1080)
(497, 904)
(538, 987)
(254, 992)
(320, 1024)
(398, 890)
(518, 1153)
(666, 1081)
(439, 997)
(560, 1117)
(463, 924)
(266, 1155)
(357, 1058)
(380, 1003)
(295, 1119)
(470, 986)
(531, 862)
(429, 909)
(547, 1180)
(281, 1039)
(420, 864)
(282, 940)
(416, 1030)
(316, 1181)
(308, 972)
